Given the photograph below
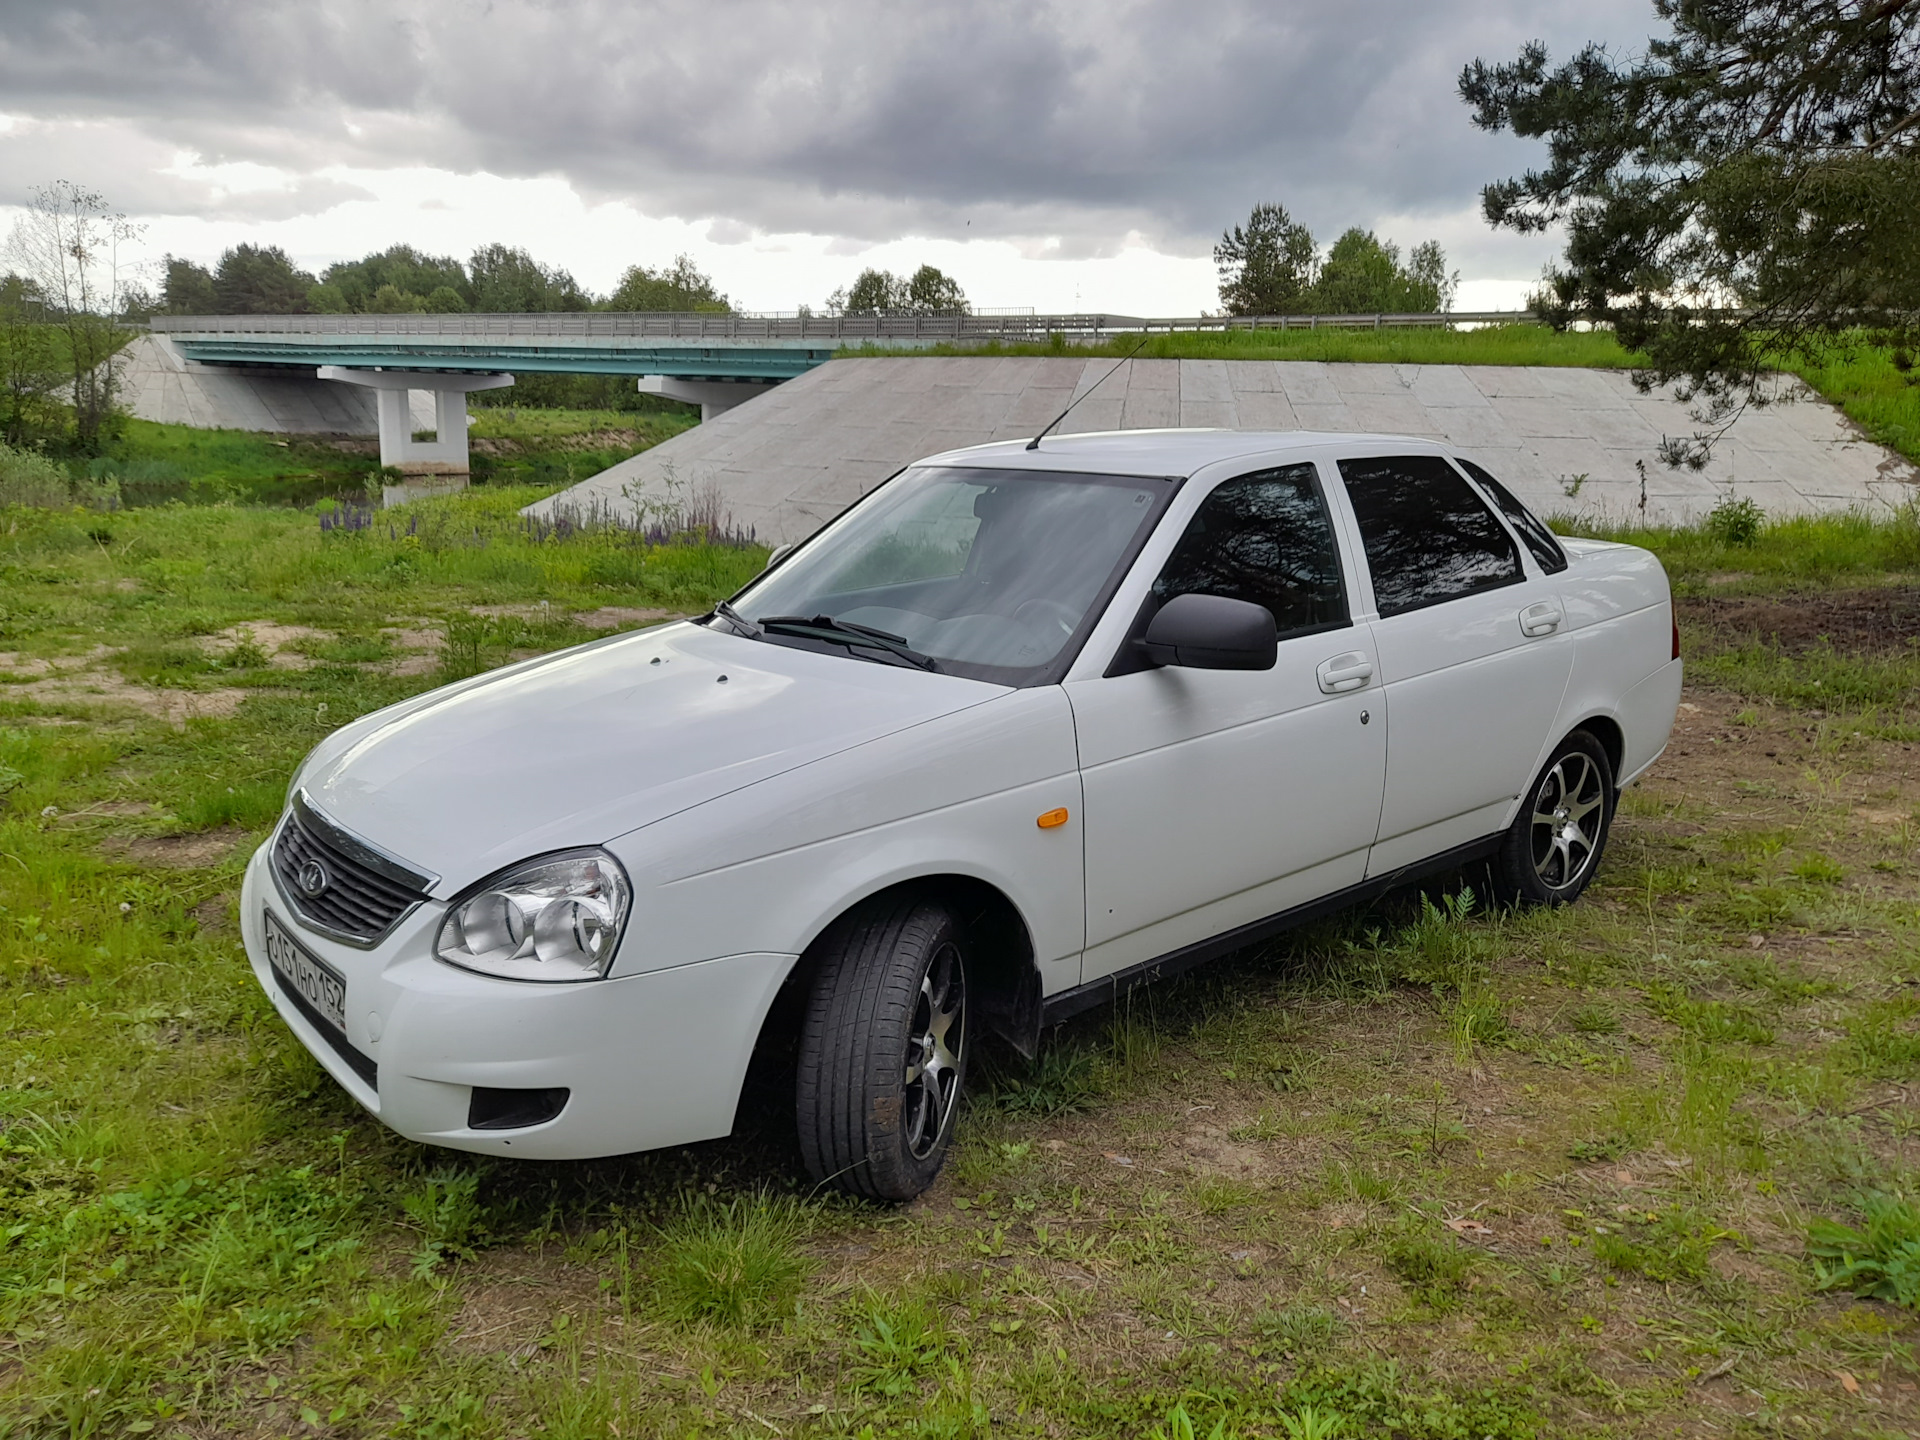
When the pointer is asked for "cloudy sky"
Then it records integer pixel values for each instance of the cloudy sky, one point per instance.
(1054, 155)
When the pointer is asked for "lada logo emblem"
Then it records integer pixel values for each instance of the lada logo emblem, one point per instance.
(313, 879)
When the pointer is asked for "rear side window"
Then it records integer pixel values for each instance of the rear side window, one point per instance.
(1265, 538)
(1428, 537)
(1528, 526)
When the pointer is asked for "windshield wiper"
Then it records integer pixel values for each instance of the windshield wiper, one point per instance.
(739, 622)
(848, 633)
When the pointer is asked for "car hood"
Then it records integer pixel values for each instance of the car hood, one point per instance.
(578, 747)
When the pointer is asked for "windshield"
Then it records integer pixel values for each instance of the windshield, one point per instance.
(991, 574)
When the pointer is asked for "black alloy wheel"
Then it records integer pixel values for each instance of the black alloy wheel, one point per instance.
(883, 1049)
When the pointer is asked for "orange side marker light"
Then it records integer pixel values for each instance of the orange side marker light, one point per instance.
(1053, 819)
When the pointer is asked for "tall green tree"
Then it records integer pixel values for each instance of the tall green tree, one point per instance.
(187, 288)
(260, 280)
(506, 279)
(1267, 265)
(406, 269)
(1362, 275)
(677, 287)
(1744, 191)
(928, 291)
(934, 292)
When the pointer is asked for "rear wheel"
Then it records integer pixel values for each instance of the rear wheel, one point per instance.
(1555, 843)
(883, 1050)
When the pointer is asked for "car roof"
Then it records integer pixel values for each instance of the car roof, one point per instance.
(1181, 452)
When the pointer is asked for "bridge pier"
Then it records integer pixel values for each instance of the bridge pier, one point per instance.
(712, 396)
(429, 466)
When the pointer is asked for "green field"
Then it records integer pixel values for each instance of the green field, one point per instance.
(1423, 1173)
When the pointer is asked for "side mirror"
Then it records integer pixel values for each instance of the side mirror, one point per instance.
(1211, 632)
(778, 553)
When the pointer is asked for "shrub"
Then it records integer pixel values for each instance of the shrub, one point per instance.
(1735, 520)
(29, 478)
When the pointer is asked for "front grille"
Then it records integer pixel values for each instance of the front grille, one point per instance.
(365, 893)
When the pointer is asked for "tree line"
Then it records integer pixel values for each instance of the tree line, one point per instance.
(1272, 266)
(400, 280)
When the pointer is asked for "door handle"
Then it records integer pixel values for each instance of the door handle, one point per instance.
(1342, 673)
(1543, 617)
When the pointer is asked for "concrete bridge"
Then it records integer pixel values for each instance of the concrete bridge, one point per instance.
(403, 373)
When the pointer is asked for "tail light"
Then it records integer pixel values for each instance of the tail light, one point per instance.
(1676, 631)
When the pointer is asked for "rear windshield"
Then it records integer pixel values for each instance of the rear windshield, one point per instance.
(993, 574)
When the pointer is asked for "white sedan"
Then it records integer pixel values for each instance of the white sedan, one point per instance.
(1023, 727)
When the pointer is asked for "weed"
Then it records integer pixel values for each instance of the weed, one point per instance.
(1063, 1078)
(1882, 1261)
(1735, 521)
(1299, 1329)
(1610, 1146)
(1434, 1267)
(1594, 1019)
(733, 1262)
(1374, 1399)
(896, 1345)
(1662, 1246)
(446, 1211)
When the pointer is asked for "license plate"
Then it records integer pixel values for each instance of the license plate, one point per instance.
(315, 981)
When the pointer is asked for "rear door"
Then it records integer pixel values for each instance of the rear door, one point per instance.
(1472, 650)
(1217, 798)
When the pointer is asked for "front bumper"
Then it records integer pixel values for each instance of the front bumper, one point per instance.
(650, 1060)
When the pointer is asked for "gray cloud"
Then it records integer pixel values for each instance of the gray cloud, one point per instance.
(862, 120)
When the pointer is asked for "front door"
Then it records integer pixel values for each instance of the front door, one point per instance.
(1217, 798)
(1473, 654)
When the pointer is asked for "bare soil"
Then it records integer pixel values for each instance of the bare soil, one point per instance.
(1871, 621)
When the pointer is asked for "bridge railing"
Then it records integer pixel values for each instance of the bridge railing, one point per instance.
(844, 329)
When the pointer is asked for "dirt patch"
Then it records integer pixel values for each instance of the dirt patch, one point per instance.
(537, 610)
(1876, 621)
(418, 642)
(214, 915)
(178, 852)
(612, 617)
(275, 640)
(176, 707)
(15, 666)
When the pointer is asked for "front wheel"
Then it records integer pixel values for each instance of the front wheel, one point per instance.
(1554, 845)
(883, 1050)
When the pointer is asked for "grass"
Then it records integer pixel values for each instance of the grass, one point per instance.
(1641, 1166)
(1489, 345)
(155, 463)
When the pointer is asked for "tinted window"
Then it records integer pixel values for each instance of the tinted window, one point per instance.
(1529, 527)
(1428, 537)
(1265, 538)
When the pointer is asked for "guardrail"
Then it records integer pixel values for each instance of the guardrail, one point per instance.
(961, 329)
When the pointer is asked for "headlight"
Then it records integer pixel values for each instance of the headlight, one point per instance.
(557, 919)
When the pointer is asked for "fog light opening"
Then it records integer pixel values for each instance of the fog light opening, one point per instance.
(496, 1109)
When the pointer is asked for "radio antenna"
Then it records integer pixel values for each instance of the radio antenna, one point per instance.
(1034, 443)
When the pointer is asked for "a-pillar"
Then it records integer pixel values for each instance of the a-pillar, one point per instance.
(428, 466)
(712, 396)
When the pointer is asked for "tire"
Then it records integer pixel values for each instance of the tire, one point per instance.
(883, 1050)
(1554, 846)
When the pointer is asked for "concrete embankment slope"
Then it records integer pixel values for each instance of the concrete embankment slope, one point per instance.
(158, 383)
(790, 460)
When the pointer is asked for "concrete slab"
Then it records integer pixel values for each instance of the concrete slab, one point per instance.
(788, 460)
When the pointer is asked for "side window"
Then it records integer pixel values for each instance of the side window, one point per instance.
(1428, 537)
(1528, 526)
(1266, 538)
